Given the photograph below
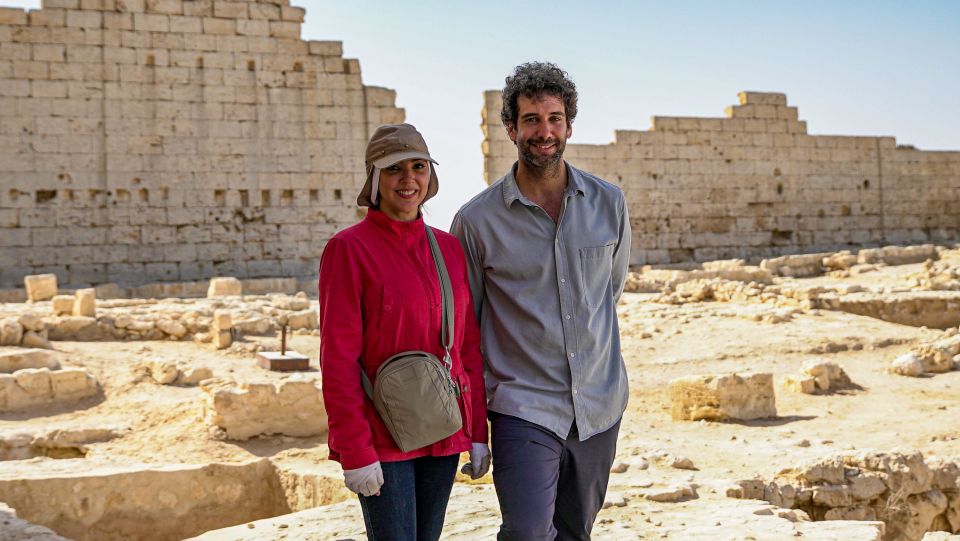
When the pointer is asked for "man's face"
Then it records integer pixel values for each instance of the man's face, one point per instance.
(541, 130)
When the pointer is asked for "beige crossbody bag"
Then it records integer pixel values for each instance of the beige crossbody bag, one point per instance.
(414, 392)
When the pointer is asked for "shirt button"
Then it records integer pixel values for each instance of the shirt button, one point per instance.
(567, 316)
(576, 391)
(572, 355)
(563, 280)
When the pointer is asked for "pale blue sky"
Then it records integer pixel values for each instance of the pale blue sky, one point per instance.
(851, 67)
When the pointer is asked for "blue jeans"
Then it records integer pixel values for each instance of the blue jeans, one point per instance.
(412, 500)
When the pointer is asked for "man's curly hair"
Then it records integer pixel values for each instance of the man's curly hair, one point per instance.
(533, 79)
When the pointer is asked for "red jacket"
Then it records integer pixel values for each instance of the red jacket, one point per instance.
(380, 295)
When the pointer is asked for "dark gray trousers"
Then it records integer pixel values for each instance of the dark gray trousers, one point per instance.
(549, 488)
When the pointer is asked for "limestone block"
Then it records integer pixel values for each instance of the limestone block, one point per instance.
(40, 287)
(800, 384)
(163, 372)
(305, 319)
(222, 339)
(828, 376)
(34, 339)
(723, 397)
(73, 383)
(940, 536)
(11, 361)
(35, 382)
(173, 328)
(32, 322)
(11, 332)
(253, 324)
(293, 407)
(222, 320)
(63, 305)
(840, 260)
(75, 328)
(86, 303)
(221, 287)
(168, 501)
(909, 364)
(193, 375)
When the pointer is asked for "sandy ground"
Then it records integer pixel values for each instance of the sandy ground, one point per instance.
(660, 342)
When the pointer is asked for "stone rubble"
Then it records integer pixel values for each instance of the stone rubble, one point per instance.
(911, 495)
(729, 397)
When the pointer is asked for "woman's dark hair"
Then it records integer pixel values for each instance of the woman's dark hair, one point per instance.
(534, 79)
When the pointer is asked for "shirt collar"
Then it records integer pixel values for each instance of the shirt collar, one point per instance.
(511, 192)
(403, 230)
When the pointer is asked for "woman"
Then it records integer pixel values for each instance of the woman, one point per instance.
(380, 295)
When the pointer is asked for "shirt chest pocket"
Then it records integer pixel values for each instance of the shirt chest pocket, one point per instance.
(596, 266)
(381, 309)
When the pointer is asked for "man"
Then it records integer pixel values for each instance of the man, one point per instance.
(548, 248)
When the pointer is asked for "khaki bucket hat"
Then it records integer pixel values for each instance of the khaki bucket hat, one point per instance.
(390, 144)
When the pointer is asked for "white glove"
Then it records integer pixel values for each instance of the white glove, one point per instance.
(366, 480)
(479, 463)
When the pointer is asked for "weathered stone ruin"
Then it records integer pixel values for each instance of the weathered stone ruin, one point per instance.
(723, 397)
(756, 185)
(175, 140)
(910, 495)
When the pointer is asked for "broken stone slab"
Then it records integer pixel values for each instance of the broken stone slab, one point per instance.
(819, 376)
(931, 309)
(64, 442)
(40, 287)
(41, 386)
(304, 319)
(85, 304)
(174, 329)
(940, 536)
(293, 407)
(898, 255)
(797, 266)
(840, 261)
(224, 286)
(80, 328)
(168, 502)
(11, 361)
(729, 397)
(671, 494)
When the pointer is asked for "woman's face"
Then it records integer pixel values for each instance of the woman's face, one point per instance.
(403, 186)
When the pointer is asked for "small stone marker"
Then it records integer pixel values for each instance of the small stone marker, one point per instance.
(283, 360)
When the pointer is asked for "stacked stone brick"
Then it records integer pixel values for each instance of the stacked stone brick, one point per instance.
(755, 184)
(159, 140)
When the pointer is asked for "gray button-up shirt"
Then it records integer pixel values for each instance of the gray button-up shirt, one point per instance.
(545, 296)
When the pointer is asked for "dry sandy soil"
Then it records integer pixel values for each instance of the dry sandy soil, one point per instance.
(660, 342)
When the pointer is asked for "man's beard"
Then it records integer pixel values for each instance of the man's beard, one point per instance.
(539, 161)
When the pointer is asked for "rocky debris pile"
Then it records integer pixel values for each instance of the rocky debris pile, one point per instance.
(728, 397)
(293, 407)
(819, 377)
(173, 373)
(934, 358)
(204, 320)
(943, 275)
(844, 262)
(651, 280)
(64, 442)
(911, 496)
(41, 386)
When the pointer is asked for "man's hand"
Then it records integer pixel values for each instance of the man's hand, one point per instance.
(366, 480)
(479, 463)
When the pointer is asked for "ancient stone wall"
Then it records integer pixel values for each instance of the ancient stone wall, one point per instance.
(175, 140)
(756, 184)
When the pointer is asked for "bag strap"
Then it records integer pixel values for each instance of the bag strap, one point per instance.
(447, 325)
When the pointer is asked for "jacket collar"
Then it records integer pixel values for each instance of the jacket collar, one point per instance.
(511, 192)
(402, 230)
